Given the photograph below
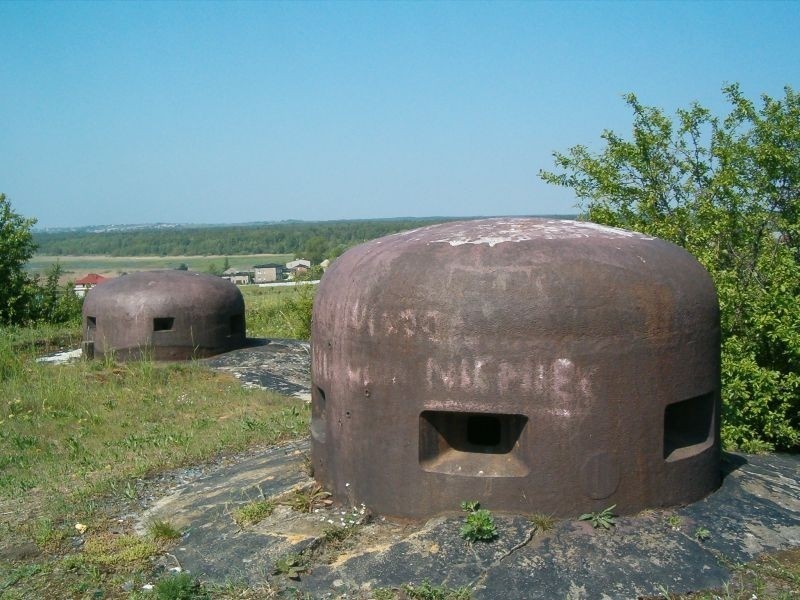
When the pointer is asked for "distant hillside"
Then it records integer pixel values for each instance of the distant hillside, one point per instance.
(314, 240)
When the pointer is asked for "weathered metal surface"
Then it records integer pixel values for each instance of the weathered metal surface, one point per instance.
(534, 365)
(168, 315)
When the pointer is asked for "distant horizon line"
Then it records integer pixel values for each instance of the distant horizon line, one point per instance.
(124, 227)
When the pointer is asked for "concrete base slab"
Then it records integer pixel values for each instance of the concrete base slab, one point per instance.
(756, 510)
(278, 365)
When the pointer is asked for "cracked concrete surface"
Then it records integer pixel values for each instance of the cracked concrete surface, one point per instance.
(754, 511)
(279, 365)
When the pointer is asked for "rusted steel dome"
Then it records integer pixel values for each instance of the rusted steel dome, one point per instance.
(168, 315)
(534, 365)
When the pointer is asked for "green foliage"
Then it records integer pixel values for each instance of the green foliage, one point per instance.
(426, 591)
(95, 426)
(163, 530)
(603, 519)
(253, 512)
(24, 299)
(11, 363)
(312, 274)
(291, 565)
(214, 269)
(479, 524)
(336, 536)
(181, 586)
(279, 312)
(728, 190)
(701, 534)
(305, 500)
(115, 550)
(51, 303)
(542, 522)
(314, 240)
(16, 248)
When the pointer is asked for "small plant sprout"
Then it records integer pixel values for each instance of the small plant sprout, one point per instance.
(674, 522)
(479, 524)
(181, 586)
(542, 522)
(253, 512)
(291, 565)
(701, 534)
(307, 499)
(163, 530)
(603, 519)
(427, 591)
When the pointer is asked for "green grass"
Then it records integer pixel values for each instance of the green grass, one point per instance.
(78, 266)
(542, 523)
(163, 531)
(771, 577)
(93, 426)
(279, 312)
(426, 591)
(253, 512)
(306, 499)
(76, 438)
(41, 338)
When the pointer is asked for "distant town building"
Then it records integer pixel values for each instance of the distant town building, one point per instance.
(84, 284)
(237, 276)
(300, 262)
(268, 273)
(296, 267)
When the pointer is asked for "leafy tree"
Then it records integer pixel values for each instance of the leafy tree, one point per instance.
(315, 249)
(280, 238)
(728, 190)
(16, 249)
(52, 303)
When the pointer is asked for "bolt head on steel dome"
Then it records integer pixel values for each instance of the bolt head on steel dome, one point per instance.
(534, 365)
(166, 315)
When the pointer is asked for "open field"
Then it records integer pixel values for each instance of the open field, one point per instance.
(77, 441)
(112, 266)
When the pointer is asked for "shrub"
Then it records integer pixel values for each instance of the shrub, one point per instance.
(728, 190)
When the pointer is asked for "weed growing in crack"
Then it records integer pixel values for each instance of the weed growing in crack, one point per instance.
(180, 587)
(701, 534)
(307, 499)
(479, 524)
(604, 519)
(163, 530)
(542, 522)
(291, 565)
(253, 512)
(426, 591)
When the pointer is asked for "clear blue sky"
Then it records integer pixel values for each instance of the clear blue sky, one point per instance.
(125, 112)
